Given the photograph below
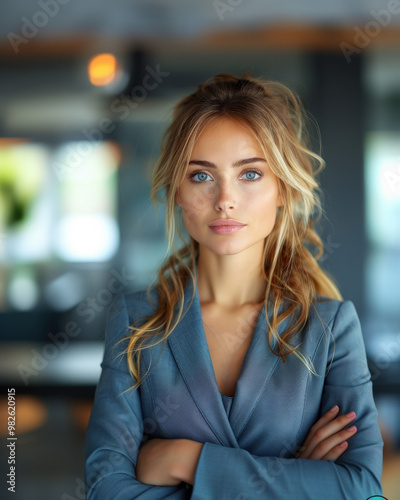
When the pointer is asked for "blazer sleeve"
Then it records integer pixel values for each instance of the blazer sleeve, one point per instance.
(224, 472)
(115, 429)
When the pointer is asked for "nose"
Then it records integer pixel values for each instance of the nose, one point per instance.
(225, 198)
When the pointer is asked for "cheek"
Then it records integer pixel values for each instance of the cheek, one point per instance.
(195, 200)
(265, 210)
(272, 199)
(264, 201)
(192, 209)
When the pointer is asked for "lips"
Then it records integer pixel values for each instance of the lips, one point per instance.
(226, 226)
(226, 222)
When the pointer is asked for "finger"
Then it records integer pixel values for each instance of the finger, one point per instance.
(329, 430)
(326, 431)
(326, 418)
(328, 444)
(336, 452)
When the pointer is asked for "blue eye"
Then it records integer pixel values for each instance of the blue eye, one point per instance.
(252, 173)
(202, 176)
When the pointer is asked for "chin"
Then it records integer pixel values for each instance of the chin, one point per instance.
(225, 251)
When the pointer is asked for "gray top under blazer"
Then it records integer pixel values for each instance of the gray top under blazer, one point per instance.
(250, 439)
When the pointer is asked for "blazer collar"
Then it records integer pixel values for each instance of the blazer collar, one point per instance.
(189, 347)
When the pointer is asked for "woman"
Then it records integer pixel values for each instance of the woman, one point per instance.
(241, 373)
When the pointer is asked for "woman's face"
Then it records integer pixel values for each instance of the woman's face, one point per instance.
(228, 177)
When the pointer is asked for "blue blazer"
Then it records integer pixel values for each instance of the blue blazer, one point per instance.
(251, 439)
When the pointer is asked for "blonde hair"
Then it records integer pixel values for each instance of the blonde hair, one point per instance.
(294, 278)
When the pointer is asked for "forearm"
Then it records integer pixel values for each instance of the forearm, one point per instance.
(188, 454)
(233, 472)
(110, 475)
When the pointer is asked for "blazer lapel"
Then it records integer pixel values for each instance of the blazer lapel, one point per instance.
(190, 350)
(189, 346)
(258, 366)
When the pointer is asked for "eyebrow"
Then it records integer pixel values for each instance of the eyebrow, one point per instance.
(238, 163)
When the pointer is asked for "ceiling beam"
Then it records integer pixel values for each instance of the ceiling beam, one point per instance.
(283, 37)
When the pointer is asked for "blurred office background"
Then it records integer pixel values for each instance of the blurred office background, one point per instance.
(86, 91)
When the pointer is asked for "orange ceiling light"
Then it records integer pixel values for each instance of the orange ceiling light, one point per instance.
(103, 69)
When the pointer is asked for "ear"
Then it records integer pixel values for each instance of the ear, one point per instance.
(178, 200)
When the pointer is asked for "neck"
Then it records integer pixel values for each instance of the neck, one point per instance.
(230, 281)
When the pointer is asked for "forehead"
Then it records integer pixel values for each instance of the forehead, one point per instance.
(226, 134)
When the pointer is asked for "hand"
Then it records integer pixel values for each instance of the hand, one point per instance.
(155, 462)
(326, 439)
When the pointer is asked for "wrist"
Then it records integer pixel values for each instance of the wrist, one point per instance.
(187, 457)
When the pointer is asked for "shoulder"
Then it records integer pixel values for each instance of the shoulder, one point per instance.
(332, 334)
(332, 311)
(331, 318)
(337, 322)
(128, 307)
(124, 311)
(346, 352)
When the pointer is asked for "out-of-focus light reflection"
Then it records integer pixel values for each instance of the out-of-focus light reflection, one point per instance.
(87, 238)
(103, 69)
(66, 291)
(32, 414)
(382, 178)
(23, 292)
(79, 364)
(87, 229)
